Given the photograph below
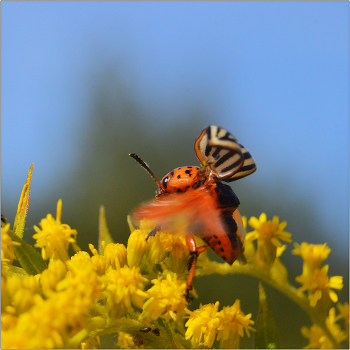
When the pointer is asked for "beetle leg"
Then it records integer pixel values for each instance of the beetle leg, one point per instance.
(194, 252)
(153, 232)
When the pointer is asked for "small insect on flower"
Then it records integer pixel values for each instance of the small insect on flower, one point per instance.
(193, 200)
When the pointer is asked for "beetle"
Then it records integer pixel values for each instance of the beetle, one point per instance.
(197, 194)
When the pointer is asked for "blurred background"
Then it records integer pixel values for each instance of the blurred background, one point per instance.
(86, 83)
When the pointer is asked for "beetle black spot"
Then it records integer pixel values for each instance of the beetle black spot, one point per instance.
(219, 242)
(165, 182)
(179, 176)
(189, 167)
(178, 190)
(215, 236)
(222, 249)
(224, 257)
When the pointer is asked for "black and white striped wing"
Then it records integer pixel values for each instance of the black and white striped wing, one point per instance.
(226, 157)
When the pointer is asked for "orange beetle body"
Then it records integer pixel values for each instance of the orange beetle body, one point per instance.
(198, 194)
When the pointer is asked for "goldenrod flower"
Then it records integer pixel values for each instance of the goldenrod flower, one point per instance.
(125, 341)
(4, 296)
(313, 256)
(335, 329)
(7, 252)
(83, 280)
(319, 285)
(203, 324)
(100, 262)
(54, 273)
(233, 322)
(49, 323)
(268, 234)
(8, 321)
(116, 254)
(54, 237)
(124, 286)
(137, 247)
(166, 298)
(81, 255)
(318, 339)
(278, 271)
(159, 246)
(344, 314)
(21, 290)
(178, 257)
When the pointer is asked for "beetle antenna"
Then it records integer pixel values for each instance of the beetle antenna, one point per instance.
(144, 165)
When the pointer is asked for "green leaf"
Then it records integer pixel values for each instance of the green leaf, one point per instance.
(29, 258)
(23, 204)
(266, 336)
(103, 233)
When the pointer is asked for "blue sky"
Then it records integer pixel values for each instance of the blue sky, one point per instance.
(277, 72)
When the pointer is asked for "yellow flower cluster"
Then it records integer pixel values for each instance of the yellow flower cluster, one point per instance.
(315, 278)
(317, 337)
(53, 238)
(228, 325)
(7, 253)
(165, 299)
(267, 233)
(133, 289)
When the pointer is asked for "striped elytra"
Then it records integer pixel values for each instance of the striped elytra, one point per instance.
(228, 159)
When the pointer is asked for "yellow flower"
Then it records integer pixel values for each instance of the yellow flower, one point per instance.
(268, 234)
(81, 255)
(21, 290)
(244, 220)
(8, 321)
(100, 262)
(278, 271)
(318, 339)
(203, 324)
(124, 286)
(125, 341)
(50, 277)
(83, 280)
(344, 314)
(233, 322)
(178, 257)
(319, 285)
(7, 252)
(313, 256)
(166, 298)
(49, 323)
(137, 247)
(159, 246)
(54, 237)
(335, 329)
(116, 254)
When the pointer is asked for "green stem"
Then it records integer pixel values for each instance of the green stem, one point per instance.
(209, 267)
